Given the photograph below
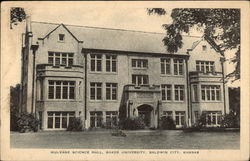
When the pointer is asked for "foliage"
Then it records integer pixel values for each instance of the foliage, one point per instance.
(202, 121)
(167, 123)
(75, 124)
(234, 100)
(230, 121)
(132, 124)
(17, 14)
(220, 26)
(26, 122)
(14, 106)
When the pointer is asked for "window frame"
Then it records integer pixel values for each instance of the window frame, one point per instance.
(139, 63)
(166, 62)
(109, 61)
(207, 92)
(59, 37)
(165, 90)
(56, 89)
(96, 86)
(56, 58)
(110, 87)
(95, 59)
(178, 90)
(202, 66)
(178, 67)
(143, 78)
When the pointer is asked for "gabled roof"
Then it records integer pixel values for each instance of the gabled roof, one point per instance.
(114, 39)
(56, 28)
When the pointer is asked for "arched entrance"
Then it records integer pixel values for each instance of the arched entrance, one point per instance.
(145, 112)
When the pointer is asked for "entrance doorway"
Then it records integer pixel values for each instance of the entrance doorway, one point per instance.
(144, 112)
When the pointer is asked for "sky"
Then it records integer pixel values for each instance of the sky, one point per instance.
(107, 15)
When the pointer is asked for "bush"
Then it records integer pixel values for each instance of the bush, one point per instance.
(27, 122)
(230, 121)
(167, 123)
(75, 124)
(132, 124)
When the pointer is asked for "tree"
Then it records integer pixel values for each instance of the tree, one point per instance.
(220, 26)
(17, 14)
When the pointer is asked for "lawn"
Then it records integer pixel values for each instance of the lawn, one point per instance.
(144, 139)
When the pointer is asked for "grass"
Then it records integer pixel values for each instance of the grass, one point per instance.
(143, 139)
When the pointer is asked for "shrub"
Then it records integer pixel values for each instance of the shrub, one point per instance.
(132, 124)
(230, 121)
(75, 124)
(167, 123)
(27, 122)
(202, 122)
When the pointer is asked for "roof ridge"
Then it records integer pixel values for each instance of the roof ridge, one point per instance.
(107, 28)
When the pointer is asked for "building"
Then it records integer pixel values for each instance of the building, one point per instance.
(102, 75)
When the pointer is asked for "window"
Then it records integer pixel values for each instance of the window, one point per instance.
(178, 66)
(210, 92)
(111, 91)
(205, 66)
(179, 92)
(165, 66)
(195, 93)
(60, 59)
(166, 91)
(96, 119)
(95, 91)
(204, 48)
(61, 37)
(111, 118)
(59, 120)
(180, 118)
(139, 63)
(61, 90)
(140, 79)
(213, 118)
(196, 116)
(96, 63)
(111, 63)
(168, 114)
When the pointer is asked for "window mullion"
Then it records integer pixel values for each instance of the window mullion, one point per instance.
(54, 89)
(53, 122)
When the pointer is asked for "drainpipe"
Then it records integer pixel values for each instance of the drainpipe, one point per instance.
(34, 49)
(223, 80)
(85, 91)
(188, 95)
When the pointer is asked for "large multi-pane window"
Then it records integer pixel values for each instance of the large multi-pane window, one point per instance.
(178, 67)
(166, 92)
(165, 66)
(140, 79)
(111, 91)
(95, 91)
(111, 63)
(213, 118)
(60, 59)
(111, 118)
(61, 89)
(96, 119)
(205, 66)
(210, 92)
(139, 63)
(59, 120)
(96, 63)
(180, 118)
(179, 92)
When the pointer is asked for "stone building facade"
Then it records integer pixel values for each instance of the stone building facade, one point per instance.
(103, 75)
